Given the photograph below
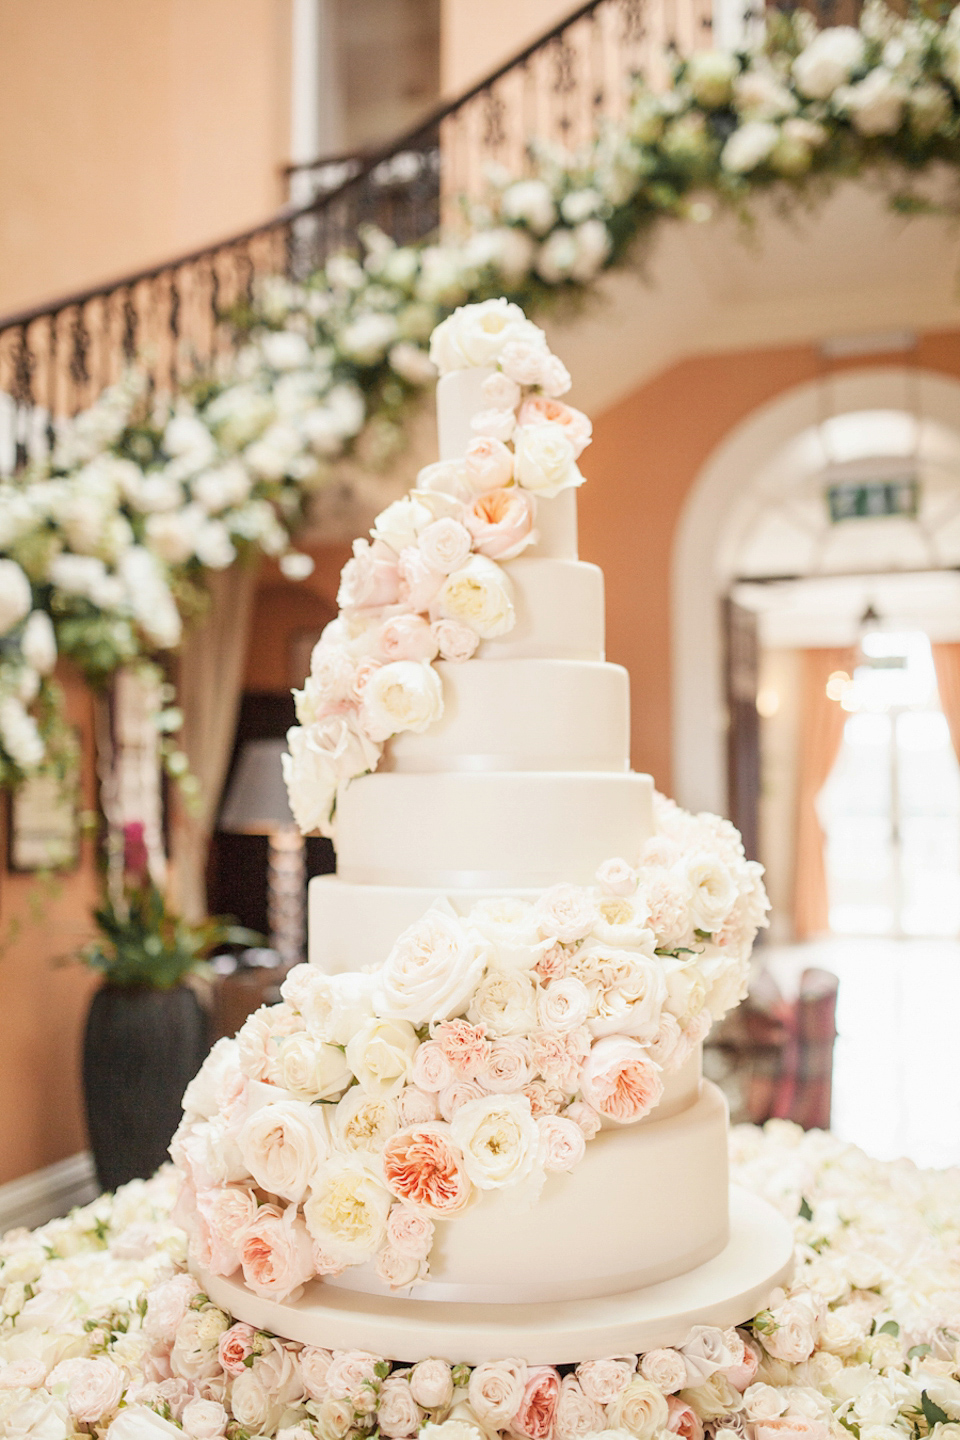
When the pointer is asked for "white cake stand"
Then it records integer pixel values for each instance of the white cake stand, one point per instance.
(727, 1290)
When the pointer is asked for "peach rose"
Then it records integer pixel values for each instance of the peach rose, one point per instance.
(534, 1414)
(620, 1081)
(236, 1344)
(541, 410)
(501, 522)
(276, 1253)
(488, 463)
(682, 1420)
(423, 1167)
(370, 579)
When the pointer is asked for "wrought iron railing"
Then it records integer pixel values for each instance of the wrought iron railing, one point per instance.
(175, 318)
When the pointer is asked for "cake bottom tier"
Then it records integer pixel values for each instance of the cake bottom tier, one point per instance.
(726, 1290)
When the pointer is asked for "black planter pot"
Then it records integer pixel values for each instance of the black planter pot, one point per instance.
(141, 1048)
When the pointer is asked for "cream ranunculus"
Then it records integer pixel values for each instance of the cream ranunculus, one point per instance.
(432, 970)
(380, 1054)
(346, 1211)
(282, 1145)
(404, 695)
(544, 459)
(479, 594)
(499, 1139)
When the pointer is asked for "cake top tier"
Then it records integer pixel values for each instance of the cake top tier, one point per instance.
(433, 580)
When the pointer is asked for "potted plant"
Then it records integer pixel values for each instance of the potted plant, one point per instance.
(147, 1033)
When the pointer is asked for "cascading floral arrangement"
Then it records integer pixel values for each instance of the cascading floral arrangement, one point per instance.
(330, 368)
(428, 584)
(481, 1056)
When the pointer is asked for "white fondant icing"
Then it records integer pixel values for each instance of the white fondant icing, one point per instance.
(727, 1290)
(523, 715)
(483, 831)
(560, 612)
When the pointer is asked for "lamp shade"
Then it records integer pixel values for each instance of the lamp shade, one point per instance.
(256, 800)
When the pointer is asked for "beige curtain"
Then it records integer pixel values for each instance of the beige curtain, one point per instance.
(821, 732)
(946, 659)
(210, 683)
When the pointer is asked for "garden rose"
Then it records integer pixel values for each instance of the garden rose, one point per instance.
(403, 695)
(475, 334)
(406, 637)
(332, 1006)
(506, 1067)
(495, 1391)
(282, 1144)
(684, 1420)
(480, 595)
(310, 1069)
(276, 1255)
(234, 1346)
(410, 1232)
(620, 1081)
(794, 1331)
(204, 1419)
(419, 582)
(541, 410)
(713, 891)
(397, 1412)
(534, 1415)
(445, 544)
(361, 1122)
(505, 1003)
(499, 1139)
(401, 523)
(346, 1211)
(455, 642)
(425, 1168)
(370, 579)
(664, 1368)
(195, 1353)
(501, 522)
(563, 1005)
(416, 1106)
(494, 424)
(431, 971)
(94, 1387)
(544, 460)
(576, 1414)
(431, 1384)
(488, 464)
(380, 1054)
(562, 1143)
(617, 877)
(566, 913)
(640, 1408)
(314, 1368)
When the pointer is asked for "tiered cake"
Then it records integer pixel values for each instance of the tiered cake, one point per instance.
(477, 1124)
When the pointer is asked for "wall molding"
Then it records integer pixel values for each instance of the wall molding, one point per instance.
(34, 1199)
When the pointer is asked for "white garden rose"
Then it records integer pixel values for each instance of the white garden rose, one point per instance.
(530, 201)
(499, 1139)
(362, 1122)
(399, 525)
(495, 1390)
(311, 1069)
(346, 1211)
(432, 970)
(544, 461)
(39, 642)
(380, 1054)
(563, 1005)
(475, 334)
(403, 695)
(713, 891)
(828, 61)
(480, 595)
(445, 544)
(749, 145)
(320, 757)
(204, 1419)
(332, 1006)
(876, 104)
(505, 1002)
(398, 1414)
(431, 1384)
(94, 1387)
(15, 595)
(282, 1145)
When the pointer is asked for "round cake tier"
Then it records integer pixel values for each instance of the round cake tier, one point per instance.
(483, 831)
(724, 1291)
(645, 1203)
(524, 715)
(559, 610)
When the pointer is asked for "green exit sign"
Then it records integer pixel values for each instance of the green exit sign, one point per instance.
(873, 498)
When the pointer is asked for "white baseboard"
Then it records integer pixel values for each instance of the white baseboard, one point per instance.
(41, 1196)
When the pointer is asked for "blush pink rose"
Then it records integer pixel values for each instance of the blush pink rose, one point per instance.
(418, 581)
(617, 877)
(586, 1117)
(314, 1368)
(458, 1093)
(276, 1253)
(501, 522)
(370, 579)
(423, 1167)
(790, 1427)
(506, 1068)
(23, 1374)
(604, 1380)
(365, 668)
(407, 637)
(682, 1420)
(743, 1374)
(236, 1344)
(464, 1046)
(488, 463)
(208, 1244)
(544, 1099)
(410, 1232)
(431, 1069)
(619, 1080)
(456, 642)
(541, 410)
(534, 1417)
(416, 1106)
(562, 1143)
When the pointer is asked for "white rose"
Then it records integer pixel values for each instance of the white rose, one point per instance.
(566, 913)
(403, 695)
(749, 146)
(875, 105)
(499, 1139)
(282, 1144)
(505, 1002)
(713, 891)
(530, 201)
(475, 334)
(399, 525)
(204, 1419)
(455, 642)
(39, 642)
(381, 1053)
(495, 1390)
(332, 1006)
(829, 60)
(563, 1005)
(445, 545)
(764, 1402)
(576, 1414)
(432, 970)
(346, 1211)
(311, 1069)
(544, 461)
(794, 1332)
(511, 926)
(320, 757)
(640, 1408)
(431, 1384)
(363, 1122)
(397, 1412)
(139, 1422)
(15, 595)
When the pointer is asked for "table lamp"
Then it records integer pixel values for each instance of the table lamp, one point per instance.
(256, 804)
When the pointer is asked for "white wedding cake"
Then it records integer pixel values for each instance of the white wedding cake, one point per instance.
(476, 1125)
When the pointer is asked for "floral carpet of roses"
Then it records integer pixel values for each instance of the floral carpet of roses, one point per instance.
(104, 1334)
